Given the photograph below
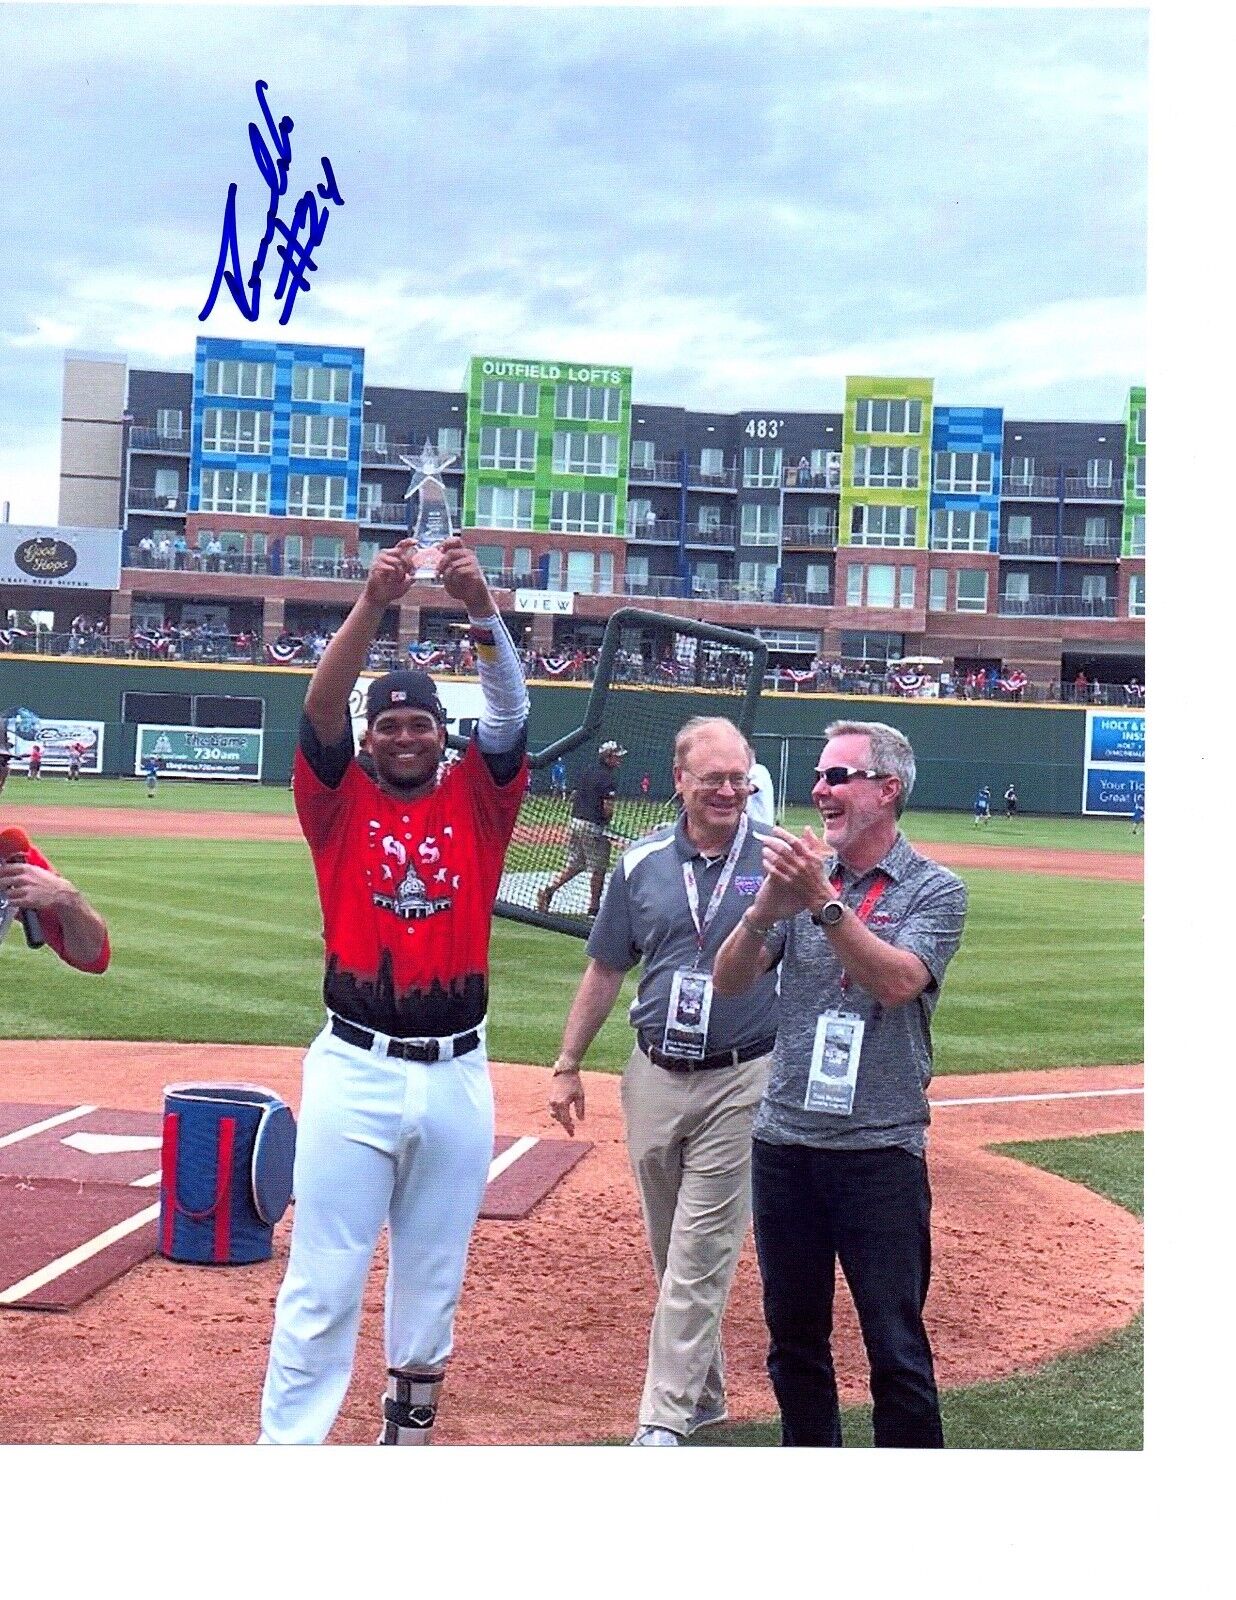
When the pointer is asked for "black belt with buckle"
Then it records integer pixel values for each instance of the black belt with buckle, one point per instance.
(722, 1058)
(407, 1049)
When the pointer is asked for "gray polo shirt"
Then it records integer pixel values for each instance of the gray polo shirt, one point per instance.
(645, 913)
(921, 909)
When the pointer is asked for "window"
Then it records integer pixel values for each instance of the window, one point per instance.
(504, 398)
(325, 438)
(1017, 586)
(581, 513)
(1018, 533)
(1094, 588)
(511, 449)
(1096, 531)
(760, 525)
(705, 575)
(880, 582)
(553, 568)
(819, 578)
(643, 454)
(637, 514)
(964, 471)
(333, 384)
(1098, 473)
(1139, 477)
(712, 463)
(315, 495)
(758, 578)
(708, 519)
(251, 380)
(373, 437)
(244, 492)
(905, 590)
(937, 589)
(171, 424)
(971, 589)
(961, 530)
(595, 454)
(167, 484)
(822, 520)
(637, 572)
(854, 585)
(490, 558)
(370, 495)
(1137, 594)
(826, 469)
(1021, 472)
(883, 525)
(450, 441)
(587, 402)
(579, 571)
(236, 433)
(761, 467)
(883, 467)
(888, 416)
(1139, 425)
(605, 572)
(1137, 535)
(503, 508)
(327, 553)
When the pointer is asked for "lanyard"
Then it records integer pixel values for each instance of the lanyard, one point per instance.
(862, 911)
(723, 882)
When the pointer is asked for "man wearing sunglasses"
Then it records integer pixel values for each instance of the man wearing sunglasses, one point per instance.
(52, 910)
(863, 928)
(697, 1072)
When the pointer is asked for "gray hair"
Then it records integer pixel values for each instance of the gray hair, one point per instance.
(890, 752)
(694, 726)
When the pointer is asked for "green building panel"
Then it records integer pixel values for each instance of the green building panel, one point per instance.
(1133, 532)
(859, 390)
(545, 413)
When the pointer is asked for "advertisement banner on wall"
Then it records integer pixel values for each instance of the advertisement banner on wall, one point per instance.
(60, 558)
(180, 752)
(1114, 769)
(57, 737)
(462, 701)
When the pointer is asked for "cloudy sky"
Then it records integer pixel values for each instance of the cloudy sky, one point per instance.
(743, 205)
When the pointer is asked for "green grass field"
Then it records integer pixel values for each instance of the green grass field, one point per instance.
(1089, 1401)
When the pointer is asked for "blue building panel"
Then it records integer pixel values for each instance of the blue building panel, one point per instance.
(970, 429)
(281, 407)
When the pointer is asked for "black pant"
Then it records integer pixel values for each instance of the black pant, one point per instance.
(871, 1210)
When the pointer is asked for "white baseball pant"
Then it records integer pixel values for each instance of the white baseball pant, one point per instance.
(379, 1140)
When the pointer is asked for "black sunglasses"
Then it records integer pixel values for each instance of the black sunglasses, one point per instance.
(834, 777)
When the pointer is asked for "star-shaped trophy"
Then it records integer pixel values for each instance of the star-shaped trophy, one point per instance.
(433, 517)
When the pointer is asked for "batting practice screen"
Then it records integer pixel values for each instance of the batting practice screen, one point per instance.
(706, 671)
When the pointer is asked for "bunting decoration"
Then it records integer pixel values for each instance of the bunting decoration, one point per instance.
(283, 651)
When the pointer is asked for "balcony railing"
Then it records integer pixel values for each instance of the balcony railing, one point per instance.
(1056, 605)
(796, 478)
(388, 456)
(151, 439)
(380, 514)
(1082, 488)
(1036, 488)
(810, 538)
(798, 594)
(148, 500)
(663, 470)
(1038, 547)
(725, 481)
(1073, 548)
(663, 531)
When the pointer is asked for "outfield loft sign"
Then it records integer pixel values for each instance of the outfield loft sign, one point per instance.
(553, 602)
(180, 752)
(553, 371)
(59, 558)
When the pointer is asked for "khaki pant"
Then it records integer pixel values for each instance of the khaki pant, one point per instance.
(689, 1141)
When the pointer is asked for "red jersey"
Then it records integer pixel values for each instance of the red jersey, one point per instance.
(407, 890)
(53, 932)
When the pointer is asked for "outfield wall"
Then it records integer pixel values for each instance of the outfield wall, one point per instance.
(959, 744)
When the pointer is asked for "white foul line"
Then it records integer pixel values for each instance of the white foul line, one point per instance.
(48, 1122)
(500, 1163)
(1057, 1094)
(74, 1258)
(148, 1182)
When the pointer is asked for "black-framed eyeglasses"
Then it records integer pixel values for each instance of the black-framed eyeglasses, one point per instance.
(834, 777)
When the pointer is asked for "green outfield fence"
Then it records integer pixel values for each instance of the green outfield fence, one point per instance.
(959, 745)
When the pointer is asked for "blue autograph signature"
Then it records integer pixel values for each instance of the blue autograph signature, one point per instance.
(309, 218)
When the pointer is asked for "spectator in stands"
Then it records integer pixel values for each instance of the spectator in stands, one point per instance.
(180, 552)
(165, 551)
(1080, 684)
(1133, 692)
(145, 551)
(804, 472)
(214, 553)
(946, 685)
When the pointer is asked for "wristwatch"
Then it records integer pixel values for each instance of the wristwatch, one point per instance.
(829, 914)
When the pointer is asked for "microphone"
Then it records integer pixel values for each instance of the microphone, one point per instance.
(15, 846)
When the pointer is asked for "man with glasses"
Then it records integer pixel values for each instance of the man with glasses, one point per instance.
(863, 928)
(52, 910)
(699, 1065)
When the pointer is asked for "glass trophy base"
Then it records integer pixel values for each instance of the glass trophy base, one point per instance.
(425, 560)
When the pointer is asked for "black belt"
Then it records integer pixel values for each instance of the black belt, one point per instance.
(722, 1058)
(408, 1049)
